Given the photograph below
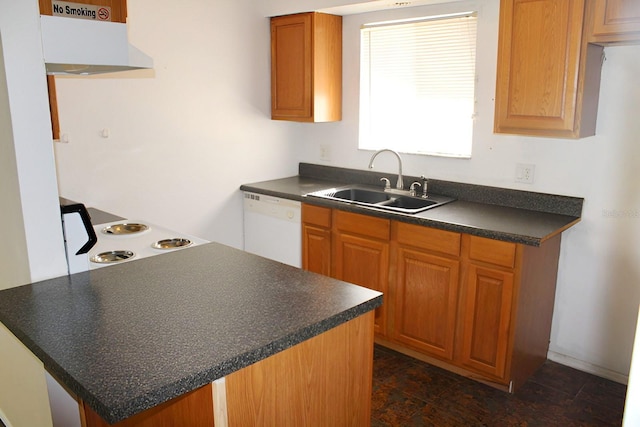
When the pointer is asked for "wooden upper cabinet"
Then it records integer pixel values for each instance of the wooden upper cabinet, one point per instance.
(614, 21)
(306, 67)
(118, 14)
(548, 76)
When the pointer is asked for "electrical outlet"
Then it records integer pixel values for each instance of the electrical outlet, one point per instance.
(525, 173)
(325, 152)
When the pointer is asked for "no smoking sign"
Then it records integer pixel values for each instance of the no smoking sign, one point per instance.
(104, 14)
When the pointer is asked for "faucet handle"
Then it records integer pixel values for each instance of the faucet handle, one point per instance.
(412, 188)
(424, 186)
(387, 183)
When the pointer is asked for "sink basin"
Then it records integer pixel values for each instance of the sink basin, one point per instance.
(360, 195)
(380, 199)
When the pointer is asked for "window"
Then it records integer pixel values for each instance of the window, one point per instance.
(417, 84)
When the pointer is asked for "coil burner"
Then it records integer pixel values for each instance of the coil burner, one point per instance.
(172, 243)
(111, 257)
(125, 228)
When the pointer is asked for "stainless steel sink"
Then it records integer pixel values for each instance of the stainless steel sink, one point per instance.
(392, 200)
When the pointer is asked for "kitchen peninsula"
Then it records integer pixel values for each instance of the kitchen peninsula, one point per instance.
(148, 338)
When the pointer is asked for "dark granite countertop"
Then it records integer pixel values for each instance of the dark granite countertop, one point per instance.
(97, 216)
(515, 216)
(128, 337)
(101, 217)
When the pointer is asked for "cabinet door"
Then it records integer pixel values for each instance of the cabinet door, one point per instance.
(291, 66)
(361, 255)
(615, 21)
(306, 67)
(316, 239)
(542, 69)
(426, 300)
(487, 318)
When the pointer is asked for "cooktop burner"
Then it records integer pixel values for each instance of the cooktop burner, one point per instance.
(172, 243)
(125, 228)
(126, 240)
(112, 256)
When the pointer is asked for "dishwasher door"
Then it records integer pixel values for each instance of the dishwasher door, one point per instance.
(272, 228)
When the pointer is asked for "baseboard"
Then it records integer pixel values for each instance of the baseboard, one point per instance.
(587, 367)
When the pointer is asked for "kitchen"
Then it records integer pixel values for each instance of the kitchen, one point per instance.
(203, 114)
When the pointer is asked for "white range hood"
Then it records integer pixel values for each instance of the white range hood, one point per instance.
(79, 46)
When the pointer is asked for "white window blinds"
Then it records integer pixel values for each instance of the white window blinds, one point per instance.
(417, 85)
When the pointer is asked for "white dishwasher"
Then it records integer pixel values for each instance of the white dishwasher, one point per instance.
(272, 228)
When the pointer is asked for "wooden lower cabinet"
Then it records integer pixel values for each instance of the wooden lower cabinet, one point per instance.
(360, 255)
(425, 288)
(488, 291)
(486, 320)
(323, 381)
(476, 306)
(349, 247)
(316, 239)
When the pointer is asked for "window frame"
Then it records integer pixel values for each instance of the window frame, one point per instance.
(419, 16)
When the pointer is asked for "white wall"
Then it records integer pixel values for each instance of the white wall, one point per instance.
(597, 292)
(184, 139)
(185, 136)
(30, 223)
(25, 102)
(631, 408)
(14, 264)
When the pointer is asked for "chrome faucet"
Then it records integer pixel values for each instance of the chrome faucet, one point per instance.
(399, 184)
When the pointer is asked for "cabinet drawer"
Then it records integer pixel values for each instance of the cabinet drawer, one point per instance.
(492, 251)
(365, 225)
(430, 239)
(316, 215)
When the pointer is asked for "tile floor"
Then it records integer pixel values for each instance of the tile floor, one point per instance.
(408, 392)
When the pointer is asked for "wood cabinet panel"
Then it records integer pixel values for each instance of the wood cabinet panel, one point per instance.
(487, 318)
(316, 215)
(316, 249)
(324, 381)
(291, 66)
(192, 409)
(427, 238)
(369, 226)
(492, 251)
(548, 77)
(614, 21)
(316, 239)
(306, 67)
(361, 256)
(426, 301)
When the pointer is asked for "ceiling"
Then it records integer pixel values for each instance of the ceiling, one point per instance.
(375, 5)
